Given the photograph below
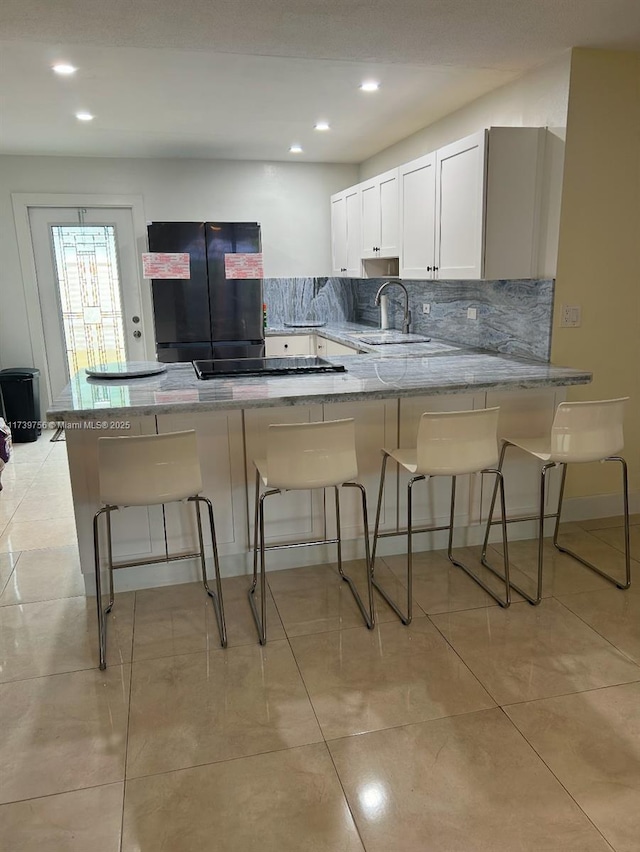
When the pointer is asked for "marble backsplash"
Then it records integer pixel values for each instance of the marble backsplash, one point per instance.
(513, 316)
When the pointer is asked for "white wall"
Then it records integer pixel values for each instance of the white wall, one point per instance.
(291, 200)
(538, 99)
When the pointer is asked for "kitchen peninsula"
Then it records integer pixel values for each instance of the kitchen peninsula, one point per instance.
(385, 389)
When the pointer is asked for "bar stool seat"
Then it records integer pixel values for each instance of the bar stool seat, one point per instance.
(581, 432)
(448, 443)
(148, 470)
(300, 457)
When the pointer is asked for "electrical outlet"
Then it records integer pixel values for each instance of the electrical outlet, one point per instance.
(426, 308)
(570, 316)
(472, 313)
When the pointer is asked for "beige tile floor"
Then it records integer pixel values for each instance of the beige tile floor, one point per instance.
(474, 730)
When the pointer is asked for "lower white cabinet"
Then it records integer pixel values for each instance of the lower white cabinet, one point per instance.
(289, 344)
(228, 441)
(528, 414)
(331, 347)
(432, 498)
(293, 515)
(138, 531)
(221, 452)
(376, 425)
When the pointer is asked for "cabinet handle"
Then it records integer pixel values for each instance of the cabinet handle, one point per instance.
(343, 269)
(286, 346)
(429, 268)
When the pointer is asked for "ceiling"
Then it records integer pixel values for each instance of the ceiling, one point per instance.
(244, 79)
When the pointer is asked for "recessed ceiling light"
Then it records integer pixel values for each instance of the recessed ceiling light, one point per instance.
(370, 86)
(295, 149)
(322, 125)
(84, 116)
(64, 69)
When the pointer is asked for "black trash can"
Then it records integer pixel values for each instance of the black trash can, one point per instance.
(21, 393)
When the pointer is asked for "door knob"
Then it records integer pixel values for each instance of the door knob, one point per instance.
(137, 334)
(135, 319)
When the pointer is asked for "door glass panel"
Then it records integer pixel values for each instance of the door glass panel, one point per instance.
(88, 281)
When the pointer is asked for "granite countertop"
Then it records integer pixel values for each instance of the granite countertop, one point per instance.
(411, 369)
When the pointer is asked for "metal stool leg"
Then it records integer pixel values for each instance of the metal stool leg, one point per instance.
(260, 620)
(102, 621)
(627, 548)
(369, 616)
(383, 473)
(499, 486)
(216, 597)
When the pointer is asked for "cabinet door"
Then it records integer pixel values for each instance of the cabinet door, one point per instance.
(293, 515)
(432, 499)
(417, 184)
(137, 531)
(293, 344)
(333, 348)
(221, 453)
(339, 234)
(376, 425)
(370, 222)
(526, 415)
(461, 169)
(353, 261)
(388, 191)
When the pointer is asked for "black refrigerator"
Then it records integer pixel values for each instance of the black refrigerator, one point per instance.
(207, 315)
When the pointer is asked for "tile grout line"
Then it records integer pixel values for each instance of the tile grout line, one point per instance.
(597, 632)
(126, 744)
(544, 762)
(313, 710)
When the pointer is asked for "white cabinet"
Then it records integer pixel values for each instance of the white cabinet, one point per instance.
(221, 453)
(432, 499)
(289, 344)
(345, 233)
(330, 347)
(379, 224)
(470, 210)
(459, 220)
(417, 184)
(293, 515)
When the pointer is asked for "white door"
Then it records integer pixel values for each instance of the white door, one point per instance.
(88, 286)
(460, 213)
(417, 216)
(370, 221)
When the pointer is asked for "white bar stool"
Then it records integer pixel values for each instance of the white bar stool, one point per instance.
(148, 470)
(581, 432)
(449, 443)
(300, 457)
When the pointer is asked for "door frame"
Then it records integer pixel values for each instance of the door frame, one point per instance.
(21, 202)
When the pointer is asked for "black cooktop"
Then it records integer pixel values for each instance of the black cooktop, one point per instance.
(225, 367)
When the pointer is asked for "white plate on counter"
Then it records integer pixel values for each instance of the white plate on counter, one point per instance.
(126, 370)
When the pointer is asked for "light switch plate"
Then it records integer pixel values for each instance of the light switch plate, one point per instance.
(472, 313)
(426, 308)
(570, 316)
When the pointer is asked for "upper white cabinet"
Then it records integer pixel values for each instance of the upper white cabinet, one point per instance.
(470, 210)
(459, 219)
(345, 233)
(417, 184)
(380, 226)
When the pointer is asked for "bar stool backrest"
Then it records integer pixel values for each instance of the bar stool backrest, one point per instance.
(452, 443)
(587, 431)
(144, 470)
(311, 455)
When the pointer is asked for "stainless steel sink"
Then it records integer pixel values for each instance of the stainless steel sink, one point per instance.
(377, 338)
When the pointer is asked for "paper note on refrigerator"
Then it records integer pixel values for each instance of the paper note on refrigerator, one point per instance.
(243, 265)
(161, 264)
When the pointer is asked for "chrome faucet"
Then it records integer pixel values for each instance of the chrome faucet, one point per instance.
(406, 320)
